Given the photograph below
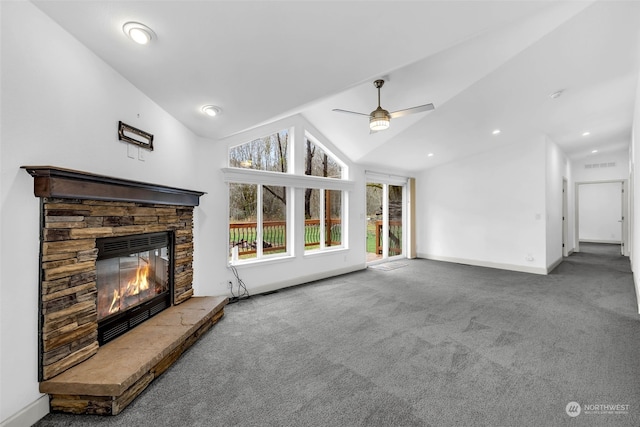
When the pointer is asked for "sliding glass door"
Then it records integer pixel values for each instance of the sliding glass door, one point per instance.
(385, 220)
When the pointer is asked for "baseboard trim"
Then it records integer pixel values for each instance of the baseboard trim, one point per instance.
(480, 263)
(29, 415)
(635, 283)
(260, 289)
(554, 265)
(608, 242)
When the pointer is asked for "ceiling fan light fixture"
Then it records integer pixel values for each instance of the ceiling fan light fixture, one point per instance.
(379, 120)
(378, 124)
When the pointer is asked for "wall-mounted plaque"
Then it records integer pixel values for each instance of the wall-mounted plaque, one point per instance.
(135, 136)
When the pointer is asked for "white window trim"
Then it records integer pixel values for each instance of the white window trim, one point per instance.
(294, 179)
(323, 247)
(344, 169)
(260, 256)
(250, 176)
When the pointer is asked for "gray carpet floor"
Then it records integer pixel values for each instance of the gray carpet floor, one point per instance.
(428, 344)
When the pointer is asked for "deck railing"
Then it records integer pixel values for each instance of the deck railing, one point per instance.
(274, 235)
(395, 237)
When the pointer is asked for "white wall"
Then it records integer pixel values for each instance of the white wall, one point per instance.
(600, 210)
(619, 171)
(487, 209)
(61, 106)
(634, 154)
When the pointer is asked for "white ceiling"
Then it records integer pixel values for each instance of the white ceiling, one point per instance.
(484, 64)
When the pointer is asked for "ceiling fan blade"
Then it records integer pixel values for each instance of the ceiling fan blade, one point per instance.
(418, 109)
(349, 112)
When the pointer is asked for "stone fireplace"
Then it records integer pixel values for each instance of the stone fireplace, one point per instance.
(114, 253)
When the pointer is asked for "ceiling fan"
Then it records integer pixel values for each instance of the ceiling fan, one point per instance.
(379, 118)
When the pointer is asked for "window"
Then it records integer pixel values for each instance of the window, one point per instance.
(269, 153)
(257, 221)
(243, 217)
(262, 208)
(319, 162)
(323, 219)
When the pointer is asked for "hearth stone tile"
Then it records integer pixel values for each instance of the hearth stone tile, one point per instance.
(120, 363)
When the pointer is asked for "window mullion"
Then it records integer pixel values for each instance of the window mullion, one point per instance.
(385, 220)
(322, 218)
(259, 225)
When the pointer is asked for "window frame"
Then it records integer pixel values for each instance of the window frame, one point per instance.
(323, 221)
(293, 180)
(259, 209)
(288, 157)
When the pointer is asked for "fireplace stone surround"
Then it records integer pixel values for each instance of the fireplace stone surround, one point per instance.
(76, 209)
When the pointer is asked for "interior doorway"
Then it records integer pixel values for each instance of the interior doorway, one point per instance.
(386, 218)
(601, 214)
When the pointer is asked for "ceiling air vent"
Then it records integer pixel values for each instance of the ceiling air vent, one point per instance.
(600, 165)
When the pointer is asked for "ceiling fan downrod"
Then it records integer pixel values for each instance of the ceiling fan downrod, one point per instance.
(378, 84)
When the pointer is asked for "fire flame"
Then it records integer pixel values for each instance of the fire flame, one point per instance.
(116, 298)
(134, 287)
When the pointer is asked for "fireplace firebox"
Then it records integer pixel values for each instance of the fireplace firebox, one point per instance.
(134, 281)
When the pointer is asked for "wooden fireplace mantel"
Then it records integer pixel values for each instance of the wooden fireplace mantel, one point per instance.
(51, 181)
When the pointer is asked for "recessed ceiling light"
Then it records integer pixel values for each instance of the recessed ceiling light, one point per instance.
(138, 32)
(556, 94)
(430, 155)
(594, 151)
(211, 110)
(587, 133)
(496, 132)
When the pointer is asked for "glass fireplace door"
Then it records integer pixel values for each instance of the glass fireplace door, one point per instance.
(128, 281)
(134, 281)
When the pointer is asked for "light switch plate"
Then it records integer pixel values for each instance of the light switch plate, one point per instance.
(132, 151)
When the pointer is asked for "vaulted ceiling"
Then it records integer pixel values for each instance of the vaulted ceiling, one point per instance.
(485, 65)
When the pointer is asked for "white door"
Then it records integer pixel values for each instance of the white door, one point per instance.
(600, 212)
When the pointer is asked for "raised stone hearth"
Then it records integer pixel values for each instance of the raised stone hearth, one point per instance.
(124, 367)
